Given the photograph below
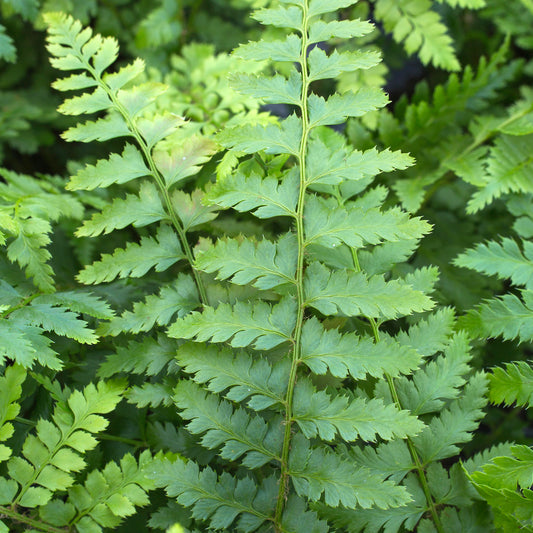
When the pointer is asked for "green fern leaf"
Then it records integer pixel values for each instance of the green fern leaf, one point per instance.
(287, 50)
(421, 30)
(148, 356)
(327, 350)
(338, 107)
(319, 7)
(264, 265)
(341, 29)
(240, 433)
(506, 316)
(330, 226)
(151, 394)
(267, 197)
(191, 208)
(103, 129)
(137, 210)
(439, 380)
(455, 423)
(430, 335)
(332, 166)
(220, 500)
(272, 138)
(508, 169)
(315, 471)
(8, 52)
(353, 294)
(183, 160)
(296, 517)
(282, 17)
(239, 376)
(79, 302)
(135, 260)
(28, 343)
(318, 414)
(55, 319)
(504, 259)
(259, 325)
(86, 103)
(28, 250)
(273, 90)
(49, 457)
(322, 66)
(117, 169)
(514, 384)
(106, 497)
(508, 472)
(177, 299)
(10, 392)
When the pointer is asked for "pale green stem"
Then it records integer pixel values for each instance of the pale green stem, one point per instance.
(296, 352)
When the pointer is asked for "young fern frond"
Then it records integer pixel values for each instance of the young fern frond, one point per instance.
(76, 49)
(35, 481)
(150, 167)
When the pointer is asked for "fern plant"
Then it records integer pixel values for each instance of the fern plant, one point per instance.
(40, 487)
(273, 383)
(505, 482)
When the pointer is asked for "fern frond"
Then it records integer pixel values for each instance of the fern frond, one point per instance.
(438, 381)
(137, 210)
(55, 451)
(354, 295)
(331, 164)
(106, 497)
(322, 66)
(505, 484)
(357, 226)
(339, 107)
(74, 48)
(315, 471)
(159, 252)
(420, 29)
(26, 319)
(28, 206)
(117, 169)
(504, 259)
(318, 414)
(148, 356)
(264, 265)
(273, 138)
(192, 208)
(10, 391)
(268, 197)
(176, 299)
(221, 500)
(239, 375)
(506, 316)
(259, 325)
(454, 424)
(512, 384)
(342, 354)
(240, 433)
(508, 168)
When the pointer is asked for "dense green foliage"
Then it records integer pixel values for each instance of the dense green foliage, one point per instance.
(284, 288)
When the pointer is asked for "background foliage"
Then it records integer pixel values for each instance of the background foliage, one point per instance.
(114, 234)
